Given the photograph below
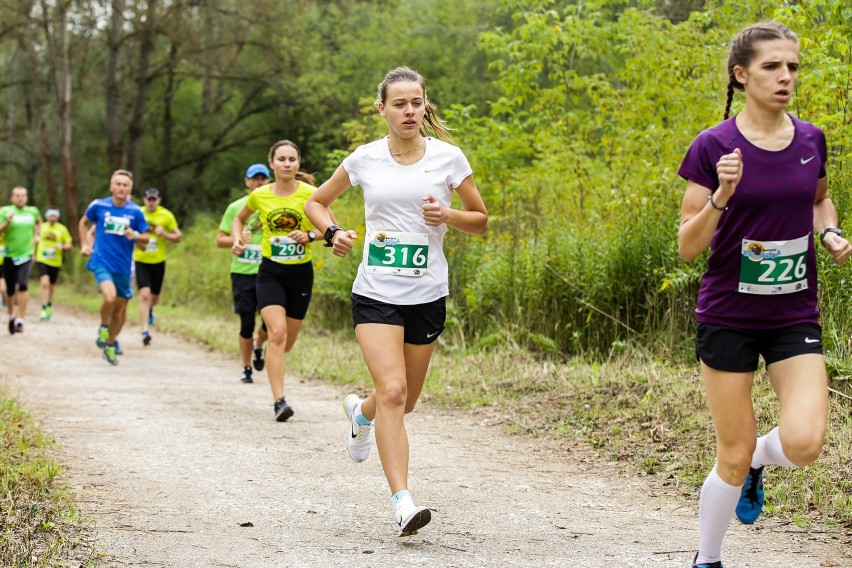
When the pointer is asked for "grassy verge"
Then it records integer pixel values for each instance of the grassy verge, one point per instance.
(39, 525)
(633, 408)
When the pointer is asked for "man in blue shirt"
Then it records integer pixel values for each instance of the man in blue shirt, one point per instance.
(119, 226)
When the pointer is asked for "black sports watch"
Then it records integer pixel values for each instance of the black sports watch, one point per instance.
(329, 233)
(834, 230)
(312, 235)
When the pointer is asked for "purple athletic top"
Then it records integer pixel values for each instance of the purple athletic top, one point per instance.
(773, 202)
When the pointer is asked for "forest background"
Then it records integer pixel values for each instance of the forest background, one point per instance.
(575, 116)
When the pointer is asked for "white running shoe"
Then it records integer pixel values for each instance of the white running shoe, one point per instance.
(410, 517)
(358, 439)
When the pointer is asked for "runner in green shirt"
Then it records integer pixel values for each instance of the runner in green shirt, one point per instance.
(53, 239)
(151, 262)
(244, 273)
(21, 224)
(2, 279)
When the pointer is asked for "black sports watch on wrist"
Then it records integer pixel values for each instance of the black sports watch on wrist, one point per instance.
(834, 230)
(329, 233)
(312, 235)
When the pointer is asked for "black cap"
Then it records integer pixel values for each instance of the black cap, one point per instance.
(152, 192)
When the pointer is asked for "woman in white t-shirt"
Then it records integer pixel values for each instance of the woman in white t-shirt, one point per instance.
(398, 298)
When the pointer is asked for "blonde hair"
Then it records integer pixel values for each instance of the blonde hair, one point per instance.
(433, 124)
(122, 173)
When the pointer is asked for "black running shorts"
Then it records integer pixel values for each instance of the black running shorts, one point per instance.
(737, 350)
(244, 290)
(423, 323)
(17, 276)
(285, 285)
(52, 272)
(150, 276)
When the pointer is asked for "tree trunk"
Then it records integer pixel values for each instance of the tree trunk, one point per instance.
(63, 77)
(37, 96)
(168, 121)
(138, 118)
(115, 150)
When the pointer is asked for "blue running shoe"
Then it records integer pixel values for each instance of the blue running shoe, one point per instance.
(103, 335)
(705, 564)
(151, 316)
(118, 350)
(751, 499)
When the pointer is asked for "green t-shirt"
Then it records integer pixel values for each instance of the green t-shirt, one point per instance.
(155, 251)
(20, 232)
(50, 241)
(280, 215)
(249, 261)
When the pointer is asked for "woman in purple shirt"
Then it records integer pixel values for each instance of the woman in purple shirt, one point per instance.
(756, 191)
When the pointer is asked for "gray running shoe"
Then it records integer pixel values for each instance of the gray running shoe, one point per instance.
(283, 411)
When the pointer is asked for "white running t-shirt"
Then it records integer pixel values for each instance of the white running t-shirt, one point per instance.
(403, 261)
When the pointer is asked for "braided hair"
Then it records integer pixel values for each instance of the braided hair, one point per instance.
(743, 49)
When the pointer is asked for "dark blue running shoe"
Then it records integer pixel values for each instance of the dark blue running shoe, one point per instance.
(751, 499)
(695, 563)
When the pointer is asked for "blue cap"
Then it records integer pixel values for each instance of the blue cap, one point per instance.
(255, 169)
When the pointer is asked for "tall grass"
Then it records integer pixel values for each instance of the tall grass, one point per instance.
(39, 524)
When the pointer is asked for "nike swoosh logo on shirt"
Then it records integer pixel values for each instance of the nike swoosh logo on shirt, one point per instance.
(809, 340)
(804, 161)
(430, 171)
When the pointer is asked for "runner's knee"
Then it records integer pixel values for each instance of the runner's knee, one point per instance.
(803, 448)
(733, 463)
(392, 394)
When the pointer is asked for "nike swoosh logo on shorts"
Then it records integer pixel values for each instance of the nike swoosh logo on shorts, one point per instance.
(809, 340)
(433, 334)
(804, 161)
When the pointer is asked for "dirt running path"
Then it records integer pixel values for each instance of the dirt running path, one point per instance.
(170, 455)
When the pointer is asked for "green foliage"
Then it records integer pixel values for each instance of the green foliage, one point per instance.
(39, 525)
(578, 159)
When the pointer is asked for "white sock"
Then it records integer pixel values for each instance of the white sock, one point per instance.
(254, 344)
(770, 452)
(715, 511)
(398, 499)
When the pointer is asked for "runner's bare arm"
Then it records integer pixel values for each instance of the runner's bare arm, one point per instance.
(237, 229)
(318, 206)
(83, 233)
(318, 210)
(473, 219)
(825, 216)
(223, 240)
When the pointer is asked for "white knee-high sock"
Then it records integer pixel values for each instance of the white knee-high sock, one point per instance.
(715, 511)
(770, 452)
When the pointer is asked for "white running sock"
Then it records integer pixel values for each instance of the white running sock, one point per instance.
(770, 452)
(715, 511)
